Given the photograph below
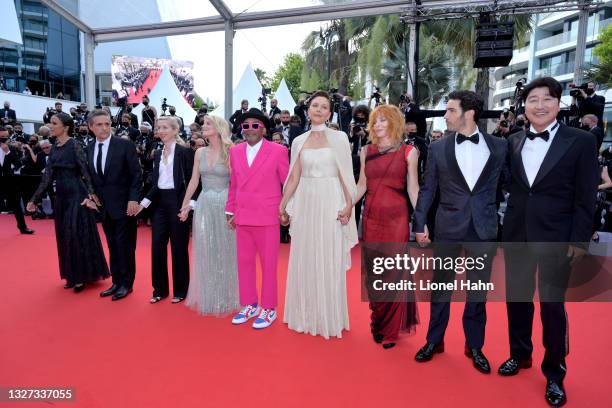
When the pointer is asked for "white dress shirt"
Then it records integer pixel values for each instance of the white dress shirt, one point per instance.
(252, 152)
(471, 158)
(2, 156)
(535, 150)
(165, 181)
(105, 145)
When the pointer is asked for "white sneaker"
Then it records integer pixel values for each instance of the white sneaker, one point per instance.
(265, 319)
(246, 313)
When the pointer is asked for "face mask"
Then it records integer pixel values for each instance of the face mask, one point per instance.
(172, 112)
(277, 121)
(520, 123)
(6, 106)
(586, 127)
(33, 142)
(589, 91)
(83, 132)
(126, 124)
(412, 135)
(129, 110)
(145, 103)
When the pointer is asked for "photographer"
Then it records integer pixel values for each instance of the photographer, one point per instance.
(149, 113)
(83, 136)
(274, 109)
(358, 134)
(7, 115)
(203, 111)
(125, 130)
(236, 119)
(589, 123)
(506, 125)
(411, 137)
(181, 123)
(18, 135)
(522, 122)
(300, 111)
(9, 162)
(413, 114)
(52, 111)
(585, 101)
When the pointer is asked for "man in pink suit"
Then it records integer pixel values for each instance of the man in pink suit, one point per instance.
(258, 170)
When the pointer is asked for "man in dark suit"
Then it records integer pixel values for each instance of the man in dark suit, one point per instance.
(7, 115)
(125, 129)
(117, 180)
(587, 101)
(465, 168)
(9, 162)
(589, 123)
(236, 119)
(554, 178)
(274, 109)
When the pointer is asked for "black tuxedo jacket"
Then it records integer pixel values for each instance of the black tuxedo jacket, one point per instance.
(560, 205)
(12, 117)
(458, 205)
(183, 167)
(599, 134)
(122, 179)
(235, 121)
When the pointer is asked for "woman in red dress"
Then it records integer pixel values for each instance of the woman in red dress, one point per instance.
(389, 176)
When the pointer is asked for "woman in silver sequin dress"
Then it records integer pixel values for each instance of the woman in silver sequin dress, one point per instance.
(213, 289)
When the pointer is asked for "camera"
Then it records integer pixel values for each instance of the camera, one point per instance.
(376, 94)
(575, 92)
(503, 123)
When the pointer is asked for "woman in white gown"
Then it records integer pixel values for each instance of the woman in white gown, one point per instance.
(318, 201)
(213, 289)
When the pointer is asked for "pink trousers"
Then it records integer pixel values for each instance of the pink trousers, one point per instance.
(265, 241)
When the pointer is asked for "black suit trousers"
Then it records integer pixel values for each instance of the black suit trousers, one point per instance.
(121, 239)
(474, 312)
(552, 279)
(168, 227)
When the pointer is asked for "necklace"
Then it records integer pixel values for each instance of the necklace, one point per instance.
(387, 149)
(318, 128)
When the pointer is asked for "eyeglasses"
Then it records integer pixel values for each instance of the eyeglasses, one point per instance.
(247, 126)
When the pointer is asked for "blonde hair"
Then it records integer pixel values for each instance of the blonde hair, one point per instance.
(223, 130)
(395, 119)
(174, 124)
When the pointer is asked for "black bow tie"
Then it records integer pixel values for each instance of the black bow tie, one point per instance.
(462, 138)
(544, 135)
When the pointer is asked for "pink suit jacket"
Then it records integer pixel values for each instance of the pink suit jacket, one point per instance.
(255, 192)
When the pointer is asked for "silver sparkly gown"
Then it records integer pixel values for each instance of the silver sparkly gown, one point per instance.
(213, 289)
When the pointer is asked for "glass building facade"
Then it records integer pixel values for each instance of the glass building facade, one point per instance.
(48, 62)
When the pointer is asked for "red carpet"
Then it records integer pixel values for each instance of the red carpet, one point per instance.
(148, 84)
(133, 354)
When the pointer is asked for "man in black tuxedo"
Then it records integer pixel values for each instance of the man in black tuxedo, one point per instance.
(9, 162)
(236, 119)
(7, 115)
(117, 179)
(589, 123)
(587, 101)
(554, 177)
(465, 168)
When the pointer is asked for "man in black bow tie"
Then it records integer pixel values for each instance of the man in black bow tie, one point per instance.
(466, 168)
(554, 177)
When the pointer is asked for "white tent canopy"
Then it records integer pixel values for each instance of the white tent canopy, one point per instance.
(248, 88)
(166, 88)
(9, 24)
(284, 98)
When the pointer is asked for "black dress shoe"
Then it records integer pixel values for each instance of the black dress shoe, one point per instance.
(69, 285)
(513, 365)
(555, 394)
(121, 293)
(480, 361)
(79, 287)
(427, 351)
(387, 346)
(26, 231)
(109, 291)
(378, 338)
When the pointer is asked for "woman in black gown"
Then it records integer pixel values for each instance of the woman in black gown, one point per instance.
(79, 249)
